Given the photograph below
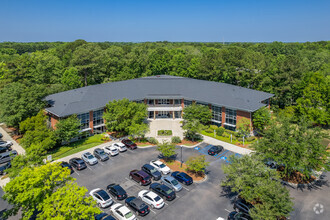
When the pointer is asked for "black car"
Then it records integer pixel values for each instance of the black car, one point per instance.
(1, 135)
(117, 191)
(163, 191)
(241, 205)
(155, 174)
(103, 216)
(77, 163)
(238, 216)
(4, 167)
(137, 205)
(67, 165)
(100, 154)
(215, 150)
(3, 149)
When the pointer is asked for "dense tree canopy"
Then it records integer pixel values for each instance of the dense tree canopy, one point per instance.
(297, 73)
(67, 129)
(201, 113)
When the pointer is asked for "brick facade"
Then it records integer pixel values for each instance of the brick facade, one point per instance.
(53, 121)
(91, 123)
(223, 116)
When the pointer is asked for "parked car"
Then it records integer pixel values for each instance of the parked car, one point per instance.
(163, 191)
(67, 165)
(140, 176)
(152, 171)
(241, 205)
(4, 149)
(7, 156)
(4, 167)
(120, 146)
(110, 150)
(77, 163)
(101, 197)
(215, 150)
(117, 191)
(103, 216)
(152, 199)
(100, 154)
(182, 177)
(171, 182)
(1, 135)
(121, 212)
(238, 216)
(160, 166)
(138, 206)
(89, 158)
(6, 144)
(129, 144)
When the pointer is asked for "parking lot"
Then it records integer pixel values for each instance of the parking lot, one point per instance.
(197, 201)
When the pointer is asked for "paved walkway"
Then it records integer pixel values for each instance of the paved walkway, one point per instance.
(226, 145)
(165, 124)
(7, 137)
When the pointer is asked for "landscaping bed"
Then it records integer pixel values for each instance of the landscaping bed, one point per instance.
(296, 177)
(78, 146)
(175, 165)
(164, 132)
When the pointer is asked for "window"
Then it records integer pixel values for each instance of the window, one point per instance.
(231, 118)
(200, 103)
(163, 101)
(151, 101)
(84, 120)
(187, 102)
(177, 101)
(216, 113)
(139, 101)
(98, 117)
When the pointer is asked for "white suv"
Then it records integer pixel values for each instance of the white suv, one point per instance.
(112, 151)
(120, 146)
(151, 199)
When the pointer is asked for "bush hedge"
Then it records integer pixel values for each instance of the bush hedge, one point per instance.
(164, 132)
(152, 140)
(176, 140)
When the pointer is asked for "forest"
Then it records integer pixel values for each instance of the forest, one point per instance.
(297, 73)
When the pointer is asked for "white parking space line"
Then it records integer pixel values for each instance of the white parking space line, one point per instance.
(186, 188)
(101, 163)
(165, 203)
(153, 211)
(89, 168)
(178, 196)
(122, 155)
(227, 210)
(77, 173)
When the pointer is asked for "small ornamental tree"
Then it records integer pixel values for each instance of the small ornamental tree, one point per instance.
(192, 127)
(166, 149)
(197, 164)
(259, 186)
(67, 129)
(138, 130)
(261, 118)
(244, 127)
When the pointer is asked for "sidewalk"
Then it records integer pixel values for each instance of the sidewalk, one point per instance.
(226, 145)
(16, 146)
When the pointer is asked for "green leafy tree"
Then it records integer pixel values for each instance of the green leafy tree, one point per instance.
(71, 78)
(138, 130)
(67, 129)
(315, 101)
(166, 149)
(68, 202)
(261, 118)
(258, 185)
(28, 190)
(123, 115)
(33, 123)
(296, 146)
(192, 128)
(19, 101)
(197, 112)
(197, 164)
(244, 127)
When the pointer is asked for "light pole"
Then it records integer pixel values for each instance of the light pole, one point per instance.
(181, 155)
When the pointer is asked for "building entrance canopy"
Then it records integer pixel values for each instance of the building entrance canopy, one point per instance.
(165, 108)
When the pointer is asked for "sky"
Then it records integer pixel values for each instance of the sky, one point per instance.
(165, 20)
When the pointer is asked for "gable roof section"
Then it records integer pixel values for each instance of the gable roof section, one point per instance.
(97, 96)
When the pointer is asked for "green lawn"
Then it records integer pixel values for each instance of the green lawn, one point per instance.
(77, 146)
(226, 139)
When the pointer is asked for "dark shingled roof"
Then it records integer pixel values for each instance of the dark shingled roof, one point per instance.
(97, 96)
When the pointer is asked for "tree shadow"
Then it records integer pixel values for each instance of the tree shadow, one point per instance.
(173, 157)
(226, 192)
(316, 185)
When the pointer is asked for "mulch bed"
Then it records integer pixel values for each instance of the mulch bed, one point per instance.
(187, 142)
(175, 165)
(296, 177)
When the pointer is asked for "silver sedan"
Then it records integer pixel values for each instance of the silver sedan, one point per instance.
(171, 182)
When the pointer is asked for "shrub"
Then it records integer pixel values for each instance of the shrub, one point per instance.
(240, 139)
(252, 138)
(164, 132)
(105, 138)
(220, 131)
(197, 164)
(152, 140)
(209, 130)
(213, 127)
(176, 140)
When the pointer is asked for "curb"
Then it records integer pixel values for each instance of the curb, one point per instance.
(298, 185)
(203, 180)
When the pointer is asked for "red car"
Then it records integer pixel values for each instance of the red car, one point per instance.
(129, 144)
(140, 176)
